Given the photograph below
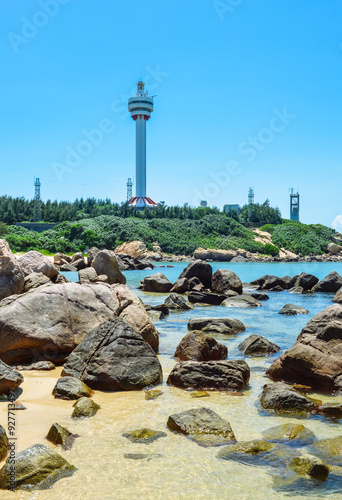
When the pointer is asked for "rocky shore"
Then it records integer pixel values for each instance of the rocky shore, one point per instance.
(102, 335)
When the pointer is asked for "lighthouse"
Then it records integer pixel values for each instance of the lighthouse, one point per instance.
(140, 107)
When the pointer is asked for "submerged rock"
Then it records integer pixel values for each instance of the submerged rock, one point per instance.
(205, 375)
(4, 445)
(37, 467)
(316, 357)
(198, 269)
(227, 326)
(200, 347)
(203, 426)
(114, 357)
(71, 388)
(85, 407)
(178, 303)
(294, 434)
(257, 452)
(153, 394)
(10, 379)
(283, 397)
(224, 280)
(329, 450)
(145, 435)
(61, 436)
(291, 309)
(244, 300)
(256, 345)
(157, 283)
(309, 465)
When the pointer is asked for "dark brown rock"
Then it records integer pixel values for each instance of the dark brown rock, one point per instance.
(10, 379)
(256, 345)
(214, 299)
(224, 280)
(331, 283)
(157, 283)
(197, 346)
(198, 269)
(284, 398)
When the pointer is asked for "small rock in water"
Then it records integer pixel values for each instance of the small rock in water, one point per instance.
(153, 394)
(331, 410)
(71, 388)
(199, 394)
(295, 434)
(283, 397)
(256, 345)
(144, 435)
(329, 450)
(203, 426)
(291, 309)
(309, 465)
(257, 452)
(61, 436)
(85, 407)
(142, 456)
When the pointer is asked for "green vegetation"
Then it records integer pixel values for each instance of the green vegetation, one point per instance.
(178, 230)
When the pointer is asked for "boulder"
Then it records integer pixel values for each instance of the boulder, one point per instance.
(294, 434)
(4, 445)
(305, 281)
(284, 398)
(291, 310)
(11, 274)
(64, 315)
(338, 296)
(35, 262)
(198, 269)
(331, 283)
(34, 280)
(334, 248)
(133, 311)
(259, 296)
(197, 346)
(224, 280)
(256, 345)
(37, 467)
(214, 254)
(316, 357)
(329, 450)
(79, 264)
(213, 299)
(132, 248)
(91, 255)
(10, 379)
(157, 283)
(71, 388)
(309, 465)
(145, 435)
(225, 326)
(87, 275)
(243, 300)
(114, 357)
(68, 268)
(181, 285)
(61, 436)
(106, 263)
(76, 256)
(161, 308)
(257, 452)
(206, 375)
(84, 408)
(61, 258)
(177, 303)
(203, 426)
(267, 282)
(297, 290)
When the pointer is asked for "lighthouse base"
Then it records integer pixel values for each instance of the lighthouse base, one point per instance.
(141, 202)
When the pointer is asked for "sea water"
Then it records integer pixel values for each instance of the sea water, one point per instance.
(176, 467)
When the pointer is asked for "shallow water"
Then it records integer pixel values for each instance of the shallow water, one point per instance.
(179, 468)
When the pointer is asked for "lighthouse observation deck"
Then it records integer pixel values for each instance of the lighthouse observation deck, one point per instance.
(141, 105)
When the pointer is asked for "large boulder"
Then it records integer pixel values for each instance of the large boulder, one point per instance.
(267, 282)
(198, 269)
(338, 296)
(284, 398)
(334, 248)
(91, 255)
(37, 467)
(305, 281)
(292, 309)
(49, 322)
(181, 285)
(178, 303)
(214, 299)
(35, 262)
(11, 274)
(114, 357)
(214, 254)
(316, 357)
(216, 375)
(331, 283)
(34, 280)
(106, 263)
(203, 426)
(225, 326)
(10, 379)
(132, 248)
(244, 300)
(197, 346)
(256, 345)
(157, 283)
(224, 280)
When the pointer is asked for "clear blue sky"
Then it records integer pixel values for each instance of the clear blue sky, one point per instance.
(248, 87)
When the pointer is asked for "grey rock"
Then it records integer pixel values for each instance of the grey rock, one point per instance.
(225, 326)
(178, 303)
(87, 275)
(61, 436)
(10, 379)
(224, 280)
(157, 283)
(284, 398)
(291, 310)
(35, 262)
(145, 435)
(4, 444)
(256, 345)
(11, 274)
(243, 300)
(294, 434)
(106, 263)
(330, 284)
(71, 388)
(34, 280)
(214, 299)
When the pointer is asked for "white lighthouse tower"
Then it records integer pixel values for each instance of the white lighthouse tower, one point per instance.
(141, 107)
